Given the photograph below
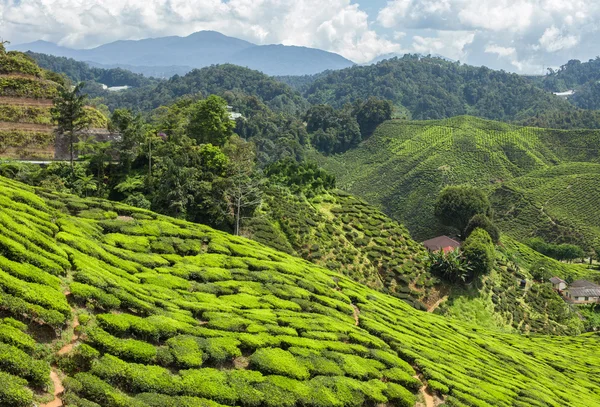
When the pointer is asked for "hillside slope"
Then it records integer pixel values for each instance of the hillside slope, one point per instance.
(405, 164)
(26, 94)
(26, 100)
(338, 231)
(172, 313)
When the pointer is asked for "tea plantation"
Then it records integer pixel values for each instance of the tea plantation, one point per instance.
(343, 233)
(162, 312)
(405, 164)
(26, 98)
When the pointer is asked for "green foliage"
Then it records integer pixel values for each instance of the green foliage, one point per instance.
(556, 251)
(457, 205)
(433, 88)
(312, 353)
(210, 121)
(479, 251)
(13, 391)
(452, 266)
(278, 361)
(483, 222)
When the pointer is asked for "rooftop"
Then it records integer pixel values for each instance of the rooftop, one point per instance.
(556, 280)
(441, 242)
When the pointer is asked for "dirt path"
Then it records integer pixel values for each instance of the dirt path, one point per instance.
(67, 348)
(436, 304)
(7, 100)
(47, 128)
(58, 386)
(427, 396)
(356, 313)
(58, 390)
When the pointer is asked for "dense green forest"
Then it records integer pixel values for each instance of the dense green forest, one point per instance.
(433, 88)
(81, 72)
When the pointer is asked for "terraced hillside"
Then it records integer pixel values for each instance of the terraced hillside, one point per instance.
(405, 164)
(25, 101)
(160, 312)
(26, 98)
(338, 231)
(561, 201)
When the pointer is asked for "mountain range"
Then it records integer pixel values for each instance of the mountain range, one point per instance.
(168, 55)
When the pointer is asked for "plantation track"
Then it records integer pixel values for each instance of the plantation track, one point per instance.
(7, 100)
(58, 390)
(436, 304)
(26, 127)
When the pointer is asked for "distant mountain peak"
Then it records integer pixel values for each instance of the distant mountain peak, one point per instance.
(198, 50)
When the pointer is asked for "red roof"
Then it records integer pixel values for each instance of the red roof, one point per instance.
(441, 243)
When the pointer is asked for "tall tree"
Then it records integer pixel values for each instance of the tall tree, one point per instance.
(210, 122)
(244, 185)
(69, 113)
(372, 113)
(456, 205)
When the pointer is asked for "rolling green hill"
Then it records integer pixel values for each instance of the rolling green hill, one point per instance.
(162, 312)
(405, 164)
(338, 231)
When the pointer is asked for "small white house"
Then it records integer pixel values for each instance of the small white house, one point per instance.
(558, 284)
(583, 292)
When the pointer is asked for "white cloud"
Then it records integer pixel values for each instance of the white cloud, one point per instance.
(334, 25)
(539, 32)
(554, 40)
(450, 44)
(500, 51)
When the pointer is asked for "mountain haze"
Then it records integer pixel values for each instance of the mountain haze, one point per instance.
(199, 50)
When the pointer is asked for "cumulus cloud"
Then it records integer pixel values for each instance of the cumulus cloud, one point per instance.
(500, 51)
(335, 25)
(554, 40)
(517, 35)
(523, 34)
(450, 44)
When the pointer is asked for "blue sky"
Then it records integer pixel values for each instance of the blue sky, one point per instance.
(524, 36)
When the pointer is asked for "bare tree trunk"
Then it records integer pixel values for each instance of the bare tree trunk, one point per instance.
(237, 216)
(71, 147)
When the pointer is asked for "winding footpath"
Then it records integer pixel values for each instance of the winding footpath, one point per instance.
(54, 377)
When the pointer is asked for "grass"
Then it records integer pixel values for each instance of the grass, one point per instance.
(152, 341)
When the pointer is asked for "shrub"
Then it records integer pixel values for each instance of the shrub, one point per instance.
(14, 336)
(400, 376)
(280, 362)
(244, 383)
(18, 363)
(128, 349)
(479, 251)
(399, 395)
(209, 383)
(13, 392)
(221, 349)
(438, 387)
(483, 222)
(281, 391)
(186, 351)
